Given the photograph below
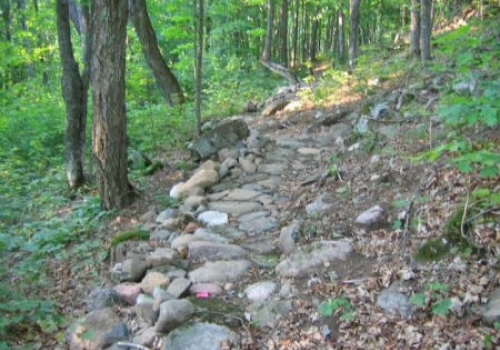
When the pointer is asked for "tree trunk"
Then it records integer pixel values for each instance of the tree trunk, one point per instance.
(165, 79)
(353, 34)
(76, 16)
(109, 132)
(198, 65)
(329, 32)
(341, 34)
(74, 98)
(314, 35)
(283, 30)
(5, 5)
(21, 5)
(415, 29)
(425, 30)
(266, 54)
(295, 35)
(208, 26)
(305, 31)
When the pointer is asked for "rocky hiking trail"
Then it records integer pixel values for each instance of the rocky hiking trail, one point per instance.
(288, 238)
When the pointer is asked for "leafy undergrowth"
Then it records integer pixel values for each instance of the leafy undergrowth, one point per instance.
(54, 243)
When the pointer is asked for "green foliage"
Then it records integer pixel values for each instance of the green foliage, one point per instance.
(488, 340)
(435, 296)
(473, 103)
(140, 235)
(433, 250)
(341, 305)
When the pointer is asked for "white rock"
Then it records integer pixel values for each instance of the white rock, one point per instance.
(213, 218)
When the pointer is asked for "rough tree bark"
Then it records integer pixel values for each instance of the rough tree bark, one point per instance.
(109, 132)
(353, 34)
(74, 91)
(415, 29)
(165, 79)
(425, 30)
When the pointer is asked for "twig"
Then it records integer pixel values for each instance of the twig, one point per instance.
(466, 208)
(401, 121)
(407, 223)
(355, 281)
(123, 344)
(481, 213)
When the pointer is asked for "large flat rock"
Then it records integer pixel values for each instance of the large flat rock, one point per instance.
(220, 271)
(199, 336)
(314, 256)
(235, 208)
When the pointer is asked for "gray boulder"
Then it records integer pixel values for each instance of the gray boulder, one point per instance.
(199, 336)
(226, 135)
(173, 313)
(391, 300)
(313, 257)
(90, 333)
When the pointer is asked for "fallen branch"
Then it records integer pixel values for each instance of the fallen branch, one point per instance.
(280, 70)
(481, 213)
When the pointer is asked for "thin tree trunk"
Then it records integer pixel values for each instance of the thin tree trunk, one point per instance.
(208, 26)
(342, 41)
(109, 132)
(336, 34)
(283, 31)
(21, 5)
(266, 54)
(425, 30)
(305, 32)
(5, 5)
(198, 65)
(415, 29)
(314, 35)
(165, 79)
(353, 34)
(74, 98)
(329, 33)
(295, 34)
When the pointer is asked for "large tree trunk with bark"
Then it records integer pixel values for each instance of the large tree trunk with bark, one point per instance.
(415, 29)
(109, 132)
(353, 34)
(75, 97)
(165, 79)
(425, 30)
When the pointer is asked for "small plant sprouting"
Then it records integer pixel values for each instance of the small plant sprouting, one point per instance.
(435, 296)
(341, 305)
